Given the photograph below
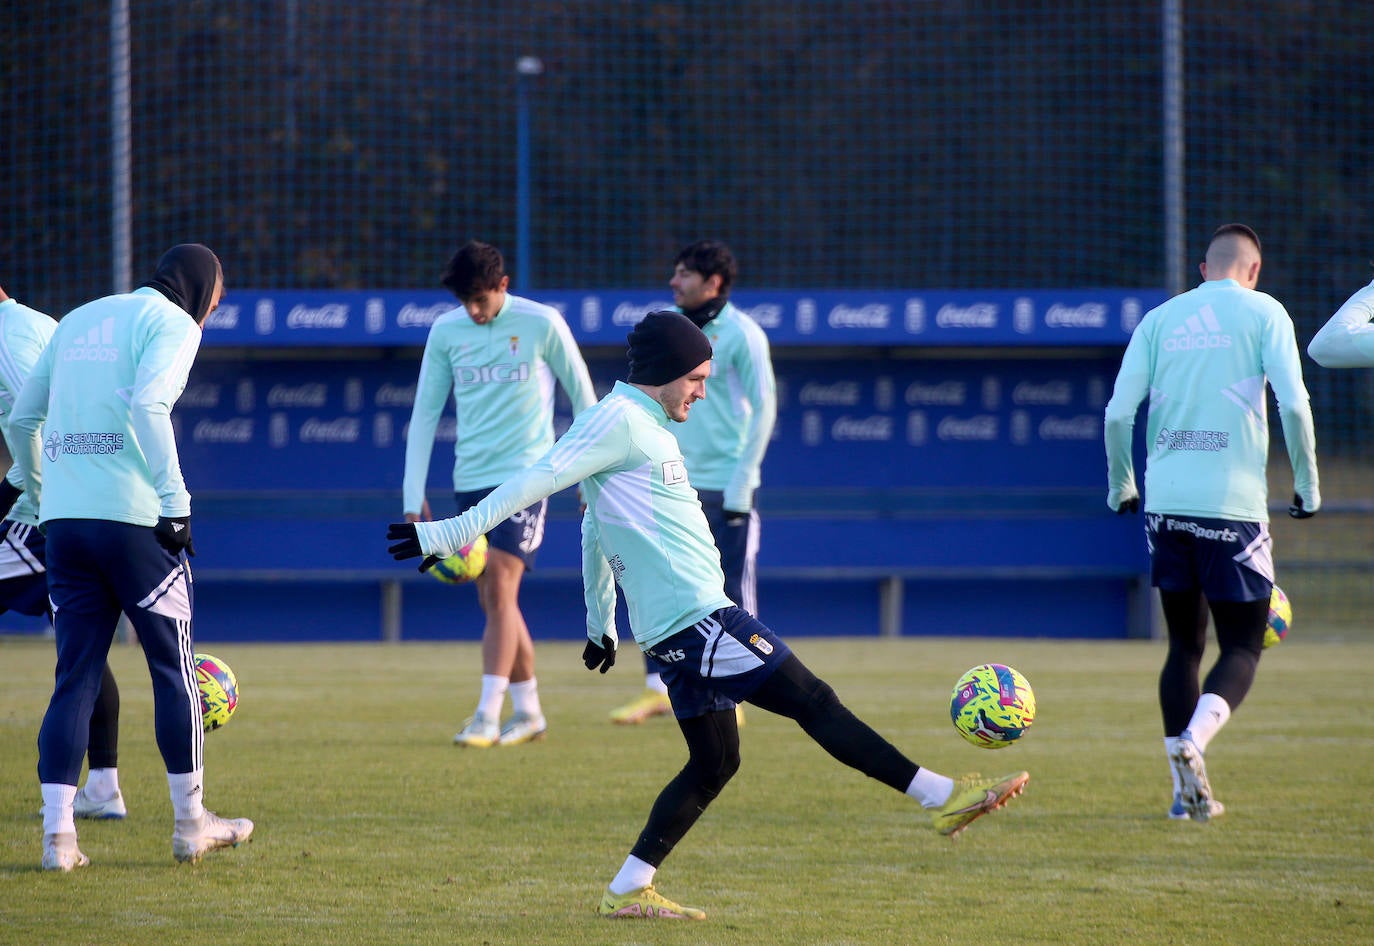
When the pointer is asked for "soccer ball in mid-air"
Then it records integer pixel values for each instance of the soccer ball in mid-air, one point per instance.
(1280, 618)
(219, 690)
(463, 565)
(992, 706)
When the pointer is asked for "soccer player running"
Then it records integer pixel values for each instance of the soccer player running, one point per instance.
(498, 355)
(105, 473)
(24, 332)
(726, 436)
(1203, 358)
(1347, 339)
(644, 529)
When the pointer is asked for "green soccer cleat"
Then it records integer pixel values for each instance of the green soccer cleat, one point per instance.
(648, 704)
(973, 797)
(646, 902)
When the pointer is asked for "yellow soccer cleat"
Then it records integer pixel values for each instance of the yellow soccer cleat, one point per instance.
(478, 732)
(646, 902)
(973, 797)
(647, 704)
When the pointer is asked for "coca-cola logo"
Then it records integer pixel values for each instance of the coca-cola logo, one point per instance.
(873, 315)
(1082, 427)
(1086, 315)
(948, 393)
(876, 428)
(330, 315)
(1050, 392)
(767, 314)
(339, 430)
(224, 317)
(200, 395)
(838, 394)
(421, 316)
(297, 395)
(395, 395)
(627, 313)
(978, 427)
(977, 315)
(235, 430)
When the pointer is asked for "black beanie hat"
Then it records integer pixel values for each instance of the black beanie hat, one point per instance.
(664, 346)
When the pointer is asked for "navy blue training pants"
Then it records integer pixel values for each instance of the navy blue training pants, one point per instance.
(97, 569)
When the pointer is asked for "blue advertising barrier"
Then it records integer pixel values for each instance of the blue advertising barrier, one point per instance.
(959, 494)
(315, 318)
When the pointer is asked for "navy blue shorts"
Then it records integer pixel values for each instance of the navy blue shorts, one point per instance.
(717, 662)
(23, 573)
(1228, 559)
(520, 535)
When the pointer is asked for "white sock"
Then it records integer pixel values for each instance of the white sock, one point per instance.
(1169, 743)
(653, 681)
(102, 784)
(188, 794)
(1209, 716)
(929, 788)
(493, 695)
(57, 808)
(524, 698)
(633, 876)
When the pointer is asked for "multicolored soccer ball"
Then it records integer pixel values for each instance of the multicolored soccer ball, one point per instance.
(463, 565)
(219, 690)
(992, 706)
(1280, 618)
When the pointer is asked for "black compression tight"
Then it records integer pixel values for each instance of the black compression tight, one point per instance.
(713, 743)
(102, 752)
(1240, 636)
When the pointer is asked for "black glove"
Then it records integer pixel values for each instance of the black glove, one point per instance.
(173, 533)
(408, 545)
(9, 495)
(1297, 511)
(1131, 505)
(734, 518)
(599, 655)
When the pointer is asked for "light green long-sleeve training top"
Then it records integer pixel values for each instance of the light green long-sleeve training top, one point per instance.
(726, 436)
(643, 527)
(102, 391)
(501, 375)
(1347, 339)
(1203, 358)
(24, 333)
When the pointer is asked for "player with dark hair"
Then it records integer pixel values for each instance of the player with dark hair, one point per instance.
(725, 438)
(24, 333)
(644, 529)
(93, 438)
(1347, 339)
(1203, 359)
(498, 355)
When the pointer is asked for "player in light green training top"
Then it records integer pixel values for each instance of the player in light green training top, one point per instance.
(24, 333)
(498, 355)
(1203, 359)
(644, 529)
(1347, 340)
(726, 436)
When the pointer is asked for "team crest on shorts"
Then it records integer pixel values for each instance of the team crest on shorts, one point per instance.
(759, 644)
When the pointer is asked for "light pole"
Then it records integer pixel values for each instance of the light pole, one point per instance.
(526, 67)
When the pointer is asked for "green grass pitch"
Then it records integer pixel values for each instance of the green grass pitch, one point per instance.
(372, 828)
